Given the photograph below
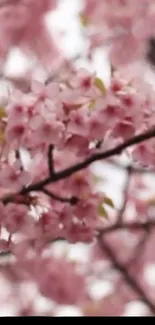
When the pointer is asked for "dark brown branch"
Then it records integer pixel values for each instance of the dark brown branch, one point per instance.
(126, 187)
(138, 250)
(137, 253)
(116, 227)
(137, 170)
(5, 253)
(73, 200)
(18, 157)
(50, 160)
(130, 281)
(127, 226)
(151, 51)
(95, 157)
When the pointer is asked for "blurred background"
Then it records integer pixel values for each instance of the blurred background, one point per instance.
(64, 22)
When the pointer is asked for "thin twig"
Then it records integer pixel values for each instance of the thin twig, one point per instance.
(50, 160)
(136, 254)
(107, 230)
(18, 157)
(126, 188)
(130, 281)
(139, 250)
(95, 157)
(136, 170)
(127, 226)
(73, 200)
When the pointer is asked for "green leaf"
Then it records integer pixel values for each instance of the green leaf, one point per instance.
(100, 85)
(109, 202)
(2, 112)
(92, 104)
(96, 178)
(84, 20)
(1, 136)
(102, 212)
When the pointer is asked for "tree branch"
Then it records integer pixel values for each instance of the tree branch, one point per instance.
(138, 250)
(73, 200)
(95, 157)
(127, 226)
(17, 155)
(50, 160)
(130, 281)
(137, 170)
(126, 188)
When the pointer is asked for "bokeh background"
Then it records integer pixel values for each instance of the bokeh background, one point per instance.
(72, 43)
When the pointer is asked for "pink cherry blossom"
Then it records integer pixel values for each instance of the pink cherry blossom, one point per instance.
(15, 217)
(80, 233)
(13, 178)
(61, 282)
(19, 29)
(44, 91)
(124, 26)
(69, 230)
(76, 125)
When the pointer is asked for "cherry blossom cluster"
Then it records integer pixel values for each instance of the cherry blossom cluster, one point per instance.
(124, 25)
(79, 116)
(20, 29)
(57, 125)
(51, 133)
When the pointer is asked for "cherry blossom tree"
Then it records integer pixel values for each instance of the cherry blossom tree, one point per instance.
(53, 132)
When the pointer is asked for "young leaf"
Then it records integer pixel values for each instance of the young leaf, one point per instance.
(102, 212)
(92, 104)
(84, 20)
(1, 136)
(100, 85)
(2, 112)
(109, 201)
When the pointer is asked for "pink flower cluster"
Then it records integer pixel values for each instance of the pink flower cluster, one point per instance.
(50, 134)
(20, 29)
(124, 25)
(73, 116)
